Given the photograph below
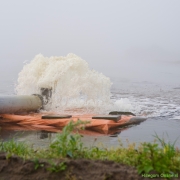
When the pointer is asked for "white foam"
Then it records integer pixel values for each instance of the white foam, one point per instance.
(74, 85)
(123, 104)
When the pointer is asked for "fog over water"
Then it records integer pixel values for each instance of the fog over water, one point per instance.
(134, 43)
(137, 40)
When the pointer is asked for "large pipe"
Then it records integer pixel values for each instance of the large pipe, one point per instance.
(20, 103)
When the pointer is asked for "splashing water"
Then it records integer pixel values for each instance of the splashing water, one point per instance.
(74, 86)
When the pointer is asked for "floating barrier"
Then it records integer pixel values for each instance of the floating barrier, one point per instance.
(53, 122)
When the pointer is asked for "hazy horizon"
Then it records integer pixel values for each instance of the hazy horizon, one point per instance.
(136, 40)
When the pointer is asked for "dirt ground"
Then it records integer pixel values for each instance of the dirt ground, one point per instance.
(16, 168)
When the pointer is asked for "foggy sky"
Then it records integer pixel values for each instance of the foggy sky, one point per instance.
(133, 39)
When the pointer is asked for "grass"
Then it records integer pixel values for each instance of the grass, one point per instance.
(161, 157)
(16, 148)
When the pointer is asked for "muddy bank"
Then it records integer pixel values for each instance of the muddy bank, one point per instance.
(16, 168)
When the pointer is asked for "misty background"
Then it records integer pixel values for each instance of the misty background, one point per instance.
(131, 40)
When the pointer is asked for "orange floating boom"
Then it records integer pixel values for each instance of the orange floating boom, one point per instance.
(103, 125)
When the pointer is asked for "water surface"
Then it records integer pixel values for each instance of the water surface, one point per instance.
(159, 103)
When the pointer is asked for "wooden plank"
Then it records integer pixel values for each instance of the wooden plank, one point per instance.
(121, 113)
(108, 117)
(56, 116)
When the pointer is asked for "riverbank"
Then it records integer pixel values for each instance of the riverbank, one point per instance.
(67, 158)
(69, 169)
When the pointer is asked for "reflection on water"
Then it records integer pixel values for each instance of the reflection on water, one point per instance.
(165, 128)
(44, 134)
(43, 138)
